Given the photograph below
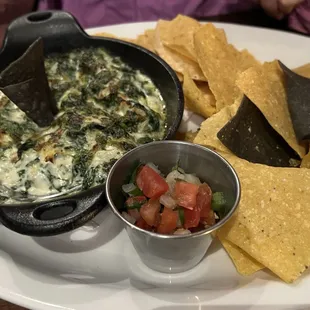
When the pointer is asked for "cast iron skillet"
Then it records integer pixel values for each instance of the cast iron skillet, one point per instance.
(61, 32)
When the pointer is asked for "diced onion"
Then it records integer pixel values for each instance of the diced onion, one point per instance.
(180, 170)
(134, 213)
(182, 232)
(180, 175)
(155, 168)
(129, 218)
(167, 201)
(128, 188)
(172, 177)
(190, 178)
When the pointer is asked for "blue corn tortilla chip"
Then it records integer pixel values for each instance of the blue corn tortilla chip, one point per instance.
(25, 83)
(249, 136)
(298, 100)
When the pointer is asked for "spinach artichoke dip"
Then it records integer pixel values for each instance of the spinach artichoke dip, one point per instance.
(105, 109)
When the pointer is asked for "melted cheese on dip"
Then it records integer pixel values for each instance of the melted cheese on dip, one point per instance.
(105, 109)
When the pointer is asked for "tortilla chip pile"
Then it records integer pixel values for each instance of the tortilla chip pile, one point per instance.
(257, 116)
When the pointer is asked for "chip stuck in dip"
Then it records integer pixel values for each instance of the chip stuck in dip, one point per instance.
(178, 203)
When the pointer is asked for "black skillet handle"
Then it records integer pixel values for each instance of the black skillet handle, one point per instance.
(54, 27)
(57, 29)
(54, 217)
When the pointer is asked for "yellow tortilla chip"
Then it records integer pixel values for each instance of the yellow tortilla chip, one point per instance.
(147, 40)
(110, 35)
(244, 263)
(264, 86)
(105, 34)
(206, 91)
(221, 34)
(196, 101)
(246, 60)
(188, 136)
(180, 76)
(303, 70)
(305, 163)
(272, 223)
(180, 36)
(207, 134)
(178, 62)
(221, 63)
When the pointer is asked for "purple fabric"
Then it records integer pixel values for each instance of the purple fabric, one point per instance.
(300, 18)
(92, 13)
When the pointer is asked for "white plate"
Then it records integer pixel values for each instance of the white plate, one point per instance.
(97, 268)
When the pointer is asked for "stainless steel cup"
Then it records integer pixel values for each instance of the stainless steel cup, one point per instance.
(174, 253)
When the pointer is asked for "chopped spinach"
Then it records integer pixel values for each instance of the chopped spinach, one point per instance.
(33, 162)
(29, 144)
(145, 140)
(59, 88)
(21, 173)
(88, 61)
(27, 184)
(131, 121)
(100, 80)
(130, 90)
(89, 177)
(153, 120)
(123, 145)
(112, 100)
(115, 130)
(101, 140)
(97, 175)
(78, 138)
(15, 130)
(81, 162)
(73, 120)
(74, 99)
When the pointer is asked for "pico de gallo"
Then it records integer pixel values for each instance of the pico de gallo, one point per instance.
(176, 204)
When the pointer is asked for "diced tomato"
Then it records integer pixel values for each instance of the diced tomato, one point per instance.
(209, 219)
(185, 194)
(150, 212)
(151, 183)
(168, 222)
(203, 201)
(200, 227)
(191, 217)
(141, 223)
(135, 202)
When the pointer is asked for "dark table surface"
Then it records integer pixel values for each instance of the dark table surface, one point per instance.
(254, 18)
(7, 306)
